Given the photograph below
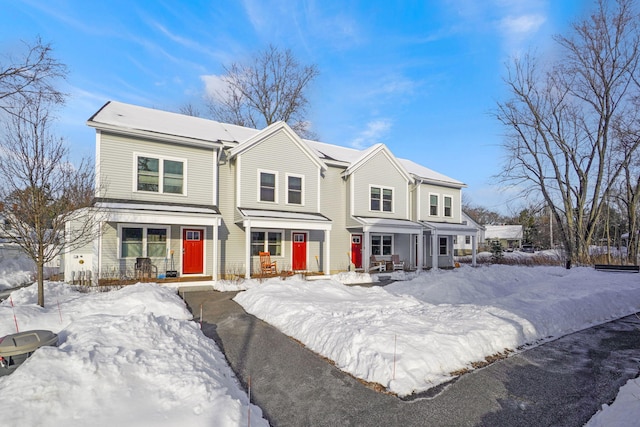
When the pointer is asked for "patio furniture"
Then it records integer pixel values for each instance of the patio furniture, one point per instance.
(266, 266)
(397, 264)
(377, 265)
(144, 269)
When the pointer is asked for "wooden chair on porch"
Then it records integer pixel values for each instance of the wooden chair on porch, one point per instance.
(374, 264)
(266, 266)
(397, 264)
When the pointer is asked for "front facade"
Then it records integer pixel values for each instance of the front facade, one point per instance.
(191, 197)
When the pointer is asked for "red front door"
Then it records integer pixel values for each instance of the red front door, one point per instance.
(299, 252)
(356, 250)
(192, 251)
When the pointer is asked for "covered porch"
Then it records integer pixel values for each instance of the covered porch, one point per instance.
(297, 242)
(438, 243)
(382, 238)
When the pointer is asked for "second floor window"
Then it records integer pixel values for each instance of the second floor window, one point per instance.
(267, 187)
(150, 171)
(447, 206)
(433, 205)
(381, 199)
(294, 190)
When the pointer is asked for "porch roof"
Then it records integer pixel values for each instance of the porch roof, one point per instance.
(153, 213)
(450, 228)
(264, 218)
(388, 225)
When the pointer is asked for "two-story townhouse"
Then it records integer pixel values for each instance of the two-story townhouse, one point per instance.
(438, 208)
(205, 198)
(276, 180)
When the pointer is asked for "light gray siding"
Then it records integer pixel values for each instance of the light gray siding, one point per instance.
(118, 169)
(282, 156)
(426, 190)
(379, 171)
(334, 206)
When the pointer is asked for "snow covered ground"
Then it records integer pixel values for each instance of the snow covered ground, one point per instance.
(135, 357)
(127, 357)
(411, 335)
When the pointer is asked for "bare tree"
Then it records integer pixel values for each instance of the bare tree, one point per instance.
(269, 89)
(562, 120)
(32, 75)
(40, 189)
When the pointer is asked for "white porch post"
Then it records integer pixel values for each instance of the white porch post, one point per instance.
(420, 249)
(434, 250)
(474, 249)
(247, 249)
(366, 252)
(216, 261)
(327, 252)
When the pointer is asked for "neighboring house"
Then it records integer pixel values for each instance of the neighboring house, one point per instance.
(204, 198)
(462, 244)
(509, 236)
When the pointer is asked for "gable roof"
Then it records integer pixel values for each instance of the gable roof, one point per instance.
(271, 130)
(371, 152)
(119, 117)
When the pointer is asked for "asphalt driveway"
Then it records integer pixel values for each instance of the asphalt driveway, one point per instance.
(561, 383)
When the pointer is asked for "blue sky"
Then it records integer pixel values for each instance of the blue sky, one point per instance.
(421, 77)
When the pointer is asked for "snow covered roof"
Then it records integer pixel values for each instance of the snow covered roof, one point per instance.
(503, 232)
(118, 116)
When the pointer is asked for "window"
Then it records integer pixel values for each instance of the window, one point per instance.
(433, 204)
(455, 240)
(157, 242)
(267, 187)
(131, 242)
(294, 190)
(447, 206)
(467, 240)
(444, 247)
(139, 242)
(381, 244)
(150, 170)
(381, 199)
(266, 241)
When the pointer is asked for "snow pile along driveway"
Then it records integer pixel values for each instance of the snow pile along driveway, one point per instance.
(411, 336)
(127, 357)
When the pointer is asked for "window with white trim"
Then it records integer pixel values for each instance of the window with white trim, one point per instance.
(143, 241)
(294, 190)
(433, 204)
(467, 240)
(443, 246)
(159, 175)
(381, 244)
(266, 241)
(381, 199)
(448, 212)
(267, 186)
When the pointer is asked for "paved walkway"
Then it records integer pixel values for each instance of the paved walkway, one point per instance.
(561, 383)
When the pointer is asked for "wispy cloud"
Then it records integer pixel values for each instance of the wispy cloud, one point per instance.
(214, 85)
(374, 130)
(521, 25)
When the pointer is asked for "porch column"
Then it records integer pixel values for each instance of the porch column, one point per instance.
(216, 261)
(327, 252)
(474, 249)
(434, 250)
(420, 251)
(366, 252)
(247, 249)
